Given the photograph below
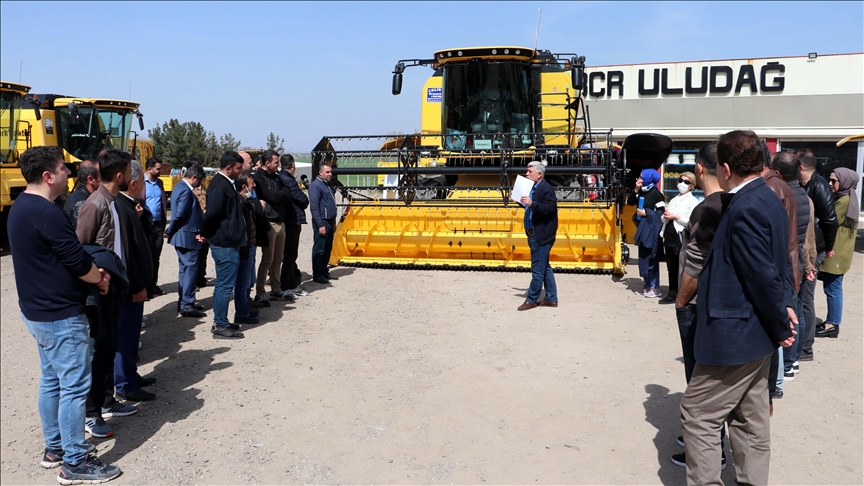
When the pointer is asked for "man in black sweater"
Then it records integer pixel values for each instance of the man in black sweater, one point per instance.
(46, 249)
(295, 216)
(225, 229)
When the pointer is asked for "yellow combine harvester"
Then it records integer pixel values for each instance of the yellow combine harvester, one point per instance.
(440, 199)
(11, 181)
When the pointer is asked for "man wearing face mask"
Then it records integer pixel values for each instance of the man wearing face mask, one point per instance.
(675, 219)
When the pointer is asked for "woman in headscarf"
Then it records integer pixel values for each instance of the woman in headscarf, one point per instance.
(649, 224)
(675, 219)
(843, 182)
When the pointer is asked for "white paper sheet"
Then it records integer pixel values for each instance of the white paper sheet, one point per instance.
(522, 187)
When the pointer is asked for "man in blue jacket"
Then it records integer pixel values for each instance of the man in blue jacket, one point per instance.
(744, 313)
(541, 224)
(184, 233)
(322, 205)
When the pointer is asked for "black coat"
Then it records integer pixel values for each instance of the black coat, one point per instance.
(298, 203)
(823, 209)
(224, 224)
(139, 264)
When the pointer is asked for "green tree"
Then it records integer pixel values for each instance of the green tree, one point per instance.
(212, 151)
(228, 143)
(175, 142)
(275, 142)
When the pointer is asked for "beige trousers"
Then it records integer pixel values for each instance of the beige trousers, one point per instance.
(271, 260)
(739, 396)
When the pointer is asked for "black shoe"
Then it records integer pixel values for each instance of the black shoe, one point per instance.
(192, 313)
(776, 394)
(136, 395)
(158, 291)
(669, 299)
(198, 307)
(681, 460)
(246, 320)
(253, 312)
(331, 277)
(321, 280)
(201, 283)
(88, 471)
(806, 356)
(226, 333)
(828, 332)
(680, 441)
(142, 382)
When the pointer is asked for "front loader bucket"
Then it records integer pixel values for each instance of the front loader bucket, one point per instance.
(438, 235)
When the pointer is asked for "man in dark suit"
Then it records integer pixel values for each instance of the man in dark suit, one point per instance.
(541, 223)
(744, 312)
(184, 234)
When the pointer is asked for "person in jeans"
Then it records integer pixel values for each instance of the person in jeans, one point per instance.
(45, 248)
(225, 229)
(843, 182)
(243, 313)
(541, 223)
(825, 231)
(322, 205)
(648, 226)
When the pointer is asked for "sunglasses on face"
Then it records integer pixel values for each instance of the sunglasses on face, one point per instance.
(833, 181)
(685, 181)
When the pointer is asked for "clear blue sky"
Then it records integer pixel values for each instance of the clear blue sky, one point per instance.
(303, 70)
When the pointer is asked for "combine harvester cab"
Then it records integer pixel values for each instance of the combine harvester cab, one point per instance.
(12, 182)
(440, 199)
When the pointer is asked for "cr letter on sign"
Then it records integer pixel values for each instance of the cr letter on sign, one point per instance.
(713, 80)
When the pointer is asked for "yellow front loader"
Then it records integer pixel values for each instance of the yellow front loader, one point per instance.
(440, 199)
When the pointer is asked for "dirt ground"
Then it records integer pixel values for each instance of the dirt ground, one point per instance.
(425, 377)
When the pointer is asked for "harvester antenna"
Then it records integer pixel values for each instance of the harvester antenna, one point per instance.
(537, 35)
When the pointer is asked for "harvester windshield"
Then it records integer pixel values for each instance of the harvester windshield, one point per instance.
(487, 97)
(84, 131)
(10, 112)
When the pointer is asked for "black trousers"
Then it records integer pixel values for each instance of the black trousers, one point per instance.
(102, 388)
(290, 274)
(672, 268)
(201, 271)
(157, 240)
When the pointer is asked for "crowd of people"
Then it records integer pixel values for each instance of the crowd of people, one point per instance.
(110, 235)
(768, 227)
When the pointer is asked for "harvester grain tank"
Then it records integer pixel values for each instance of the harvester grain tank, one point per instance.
(439, 199)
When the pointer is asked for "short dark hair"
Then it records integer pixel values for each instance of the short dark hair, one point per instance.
(268, 155)
(742, 151)
(152, 161)
(193, 161)
(766, 155)
(242, 180)
(194, 171)
(787, 165)
(113, 162)
(230, 158)
(806, 158)
(86, 169)
(287, 161)
(37, 160)
(707, 157)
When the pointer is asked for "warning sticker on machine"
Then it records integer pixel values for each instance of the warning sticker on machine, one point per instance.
(433, 95)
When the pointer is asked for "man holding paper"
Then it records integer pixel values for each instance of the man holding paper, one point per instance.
(541, 224)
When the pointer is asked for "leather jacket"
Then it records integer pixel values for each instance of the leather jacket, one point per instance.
(787, 197)
(823, 208)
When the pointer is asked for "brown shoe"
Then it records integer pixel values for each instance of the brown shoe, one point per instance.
(526, 306)
(546, 303)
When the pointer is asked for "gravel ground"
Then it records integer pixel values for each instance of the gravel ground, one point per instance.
(424, 377)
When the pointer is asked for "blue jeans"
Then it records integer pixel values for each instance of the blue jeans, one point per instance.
(64, 354)
(126, 359)
(780, 366)
(244, 282)
(792, 353)
(227, 262)
(541, 272)
(649, 268)
(833, 286)
(687, 329)
(321, 248)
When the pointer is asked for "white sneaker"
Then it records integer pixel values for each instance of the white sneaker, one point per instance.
(287, 295)
(299, 292)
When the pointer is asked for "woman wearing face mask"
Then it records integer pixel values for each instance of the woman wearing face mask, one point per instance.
(675, 219)
(843, 183)
(647, 235)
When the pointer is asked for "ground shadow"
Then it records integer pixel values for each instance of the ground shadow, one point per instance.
(859, 241)
(176, 401)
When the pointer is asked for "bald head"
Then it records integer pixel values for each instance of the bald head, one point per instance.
(247, 162)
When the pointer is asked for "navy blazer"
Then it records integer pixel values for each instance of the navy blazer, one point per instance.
(741, 316)
(544, 213)
(186, 218)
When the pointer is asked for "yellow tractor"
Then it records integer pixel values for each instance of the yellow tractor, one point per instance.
(440, 199)
(82, 127)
